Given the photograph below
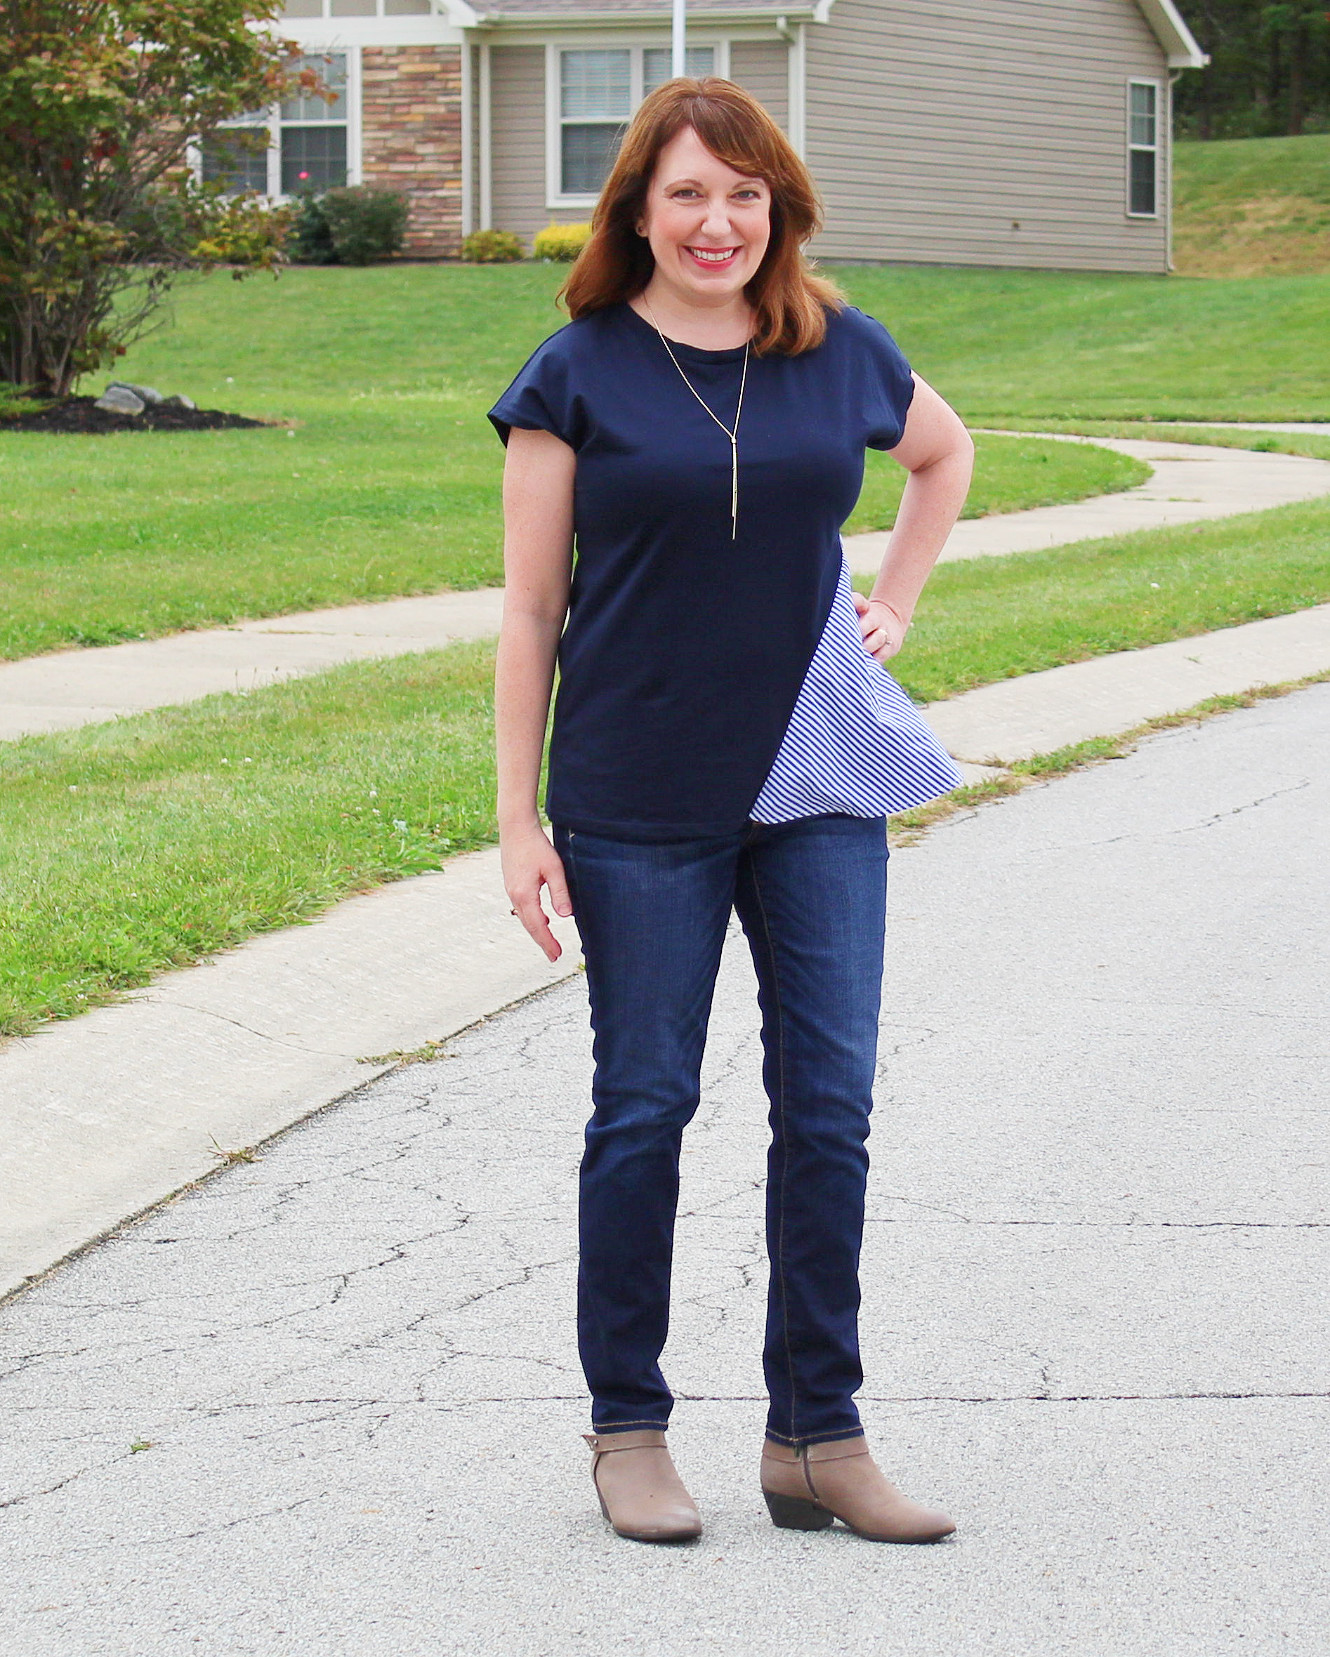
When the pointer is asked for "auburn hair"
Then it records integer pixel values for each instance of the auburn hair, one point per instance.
(790, 303)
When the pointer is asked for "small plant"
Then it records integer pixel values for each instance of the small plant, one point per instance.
(348, 226)
(365, 225)
(561, 242)
(492, 247)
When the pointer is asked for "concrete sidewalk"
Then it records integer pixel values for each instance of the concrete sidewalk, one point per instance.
(327, 1404)
(79, 687)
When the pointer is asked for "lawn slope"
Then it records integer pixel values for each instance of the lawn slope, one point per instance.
(1252, 206)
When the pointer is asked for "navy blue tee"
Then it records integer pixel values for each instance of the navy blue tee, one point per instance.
(684, 650)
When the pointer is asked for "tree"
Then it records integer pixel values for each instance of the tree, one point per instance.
(101, 102)
(1269, 71)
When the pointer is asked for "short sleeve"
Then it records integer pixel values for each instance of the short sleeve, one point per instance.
(888, 388)
(541, 397)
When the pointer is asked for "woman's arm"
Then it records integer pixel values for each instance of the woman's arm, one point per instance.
(939, 455)
(537, 562)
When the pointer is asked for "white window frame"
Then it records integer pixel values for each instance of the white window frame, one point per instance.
(271, 117)
(635, 46)
(1156, 149)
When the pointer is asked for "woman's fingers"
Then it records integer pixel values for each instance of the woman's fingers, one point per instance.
(535, 869)
(882, 629)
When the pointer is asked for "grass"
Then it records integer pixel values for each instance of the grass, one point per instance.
(1010, 475)
(130, 847)
(984, 619)
(383, 481)
(148, 843)
(1252, 206)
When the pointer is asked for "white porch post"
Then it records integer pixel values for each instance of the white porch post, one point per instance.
(678, 37)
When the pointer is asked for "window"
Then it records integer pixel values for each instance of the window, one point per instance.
(301, 146)
(237, 158)
(657, 62)
(598, 89)
(595, 101)
(312, 132)
(1143, 149)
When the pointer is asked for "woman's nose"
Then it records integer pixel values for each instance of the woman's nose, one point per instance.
(717, 221)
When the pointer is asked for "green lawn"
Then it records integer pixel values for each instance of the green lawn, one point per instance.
(1010, 475)
(130, 847)
(1252, 206)
(384, 481)
(387, 480)
(984, 619)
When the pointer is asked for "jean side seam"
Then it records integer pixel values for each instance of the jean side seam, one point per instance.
(784, 1136)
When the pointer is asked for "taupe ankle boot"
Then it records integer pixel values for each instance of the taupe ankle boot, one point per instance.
(809, 1487)
(640, 1493)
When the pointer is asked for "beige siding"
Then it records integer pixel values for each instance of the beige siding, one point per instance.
(762, 67)
(517, 88)
(959, 132)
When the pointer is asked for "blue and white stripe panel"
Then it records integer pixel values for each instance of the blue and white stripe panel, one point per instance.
(855, 744)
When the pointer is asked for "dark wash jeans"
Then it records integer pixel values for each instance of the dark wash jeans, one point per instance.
(811, 896)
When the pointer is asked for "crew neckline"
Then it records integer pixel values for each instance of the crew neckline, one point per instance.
(731, 353)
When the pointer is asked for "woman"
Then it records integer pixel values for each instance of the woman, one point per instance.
(724, 737)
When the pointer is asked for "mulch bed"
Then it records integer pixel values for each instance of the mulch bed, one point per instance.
(77, 414)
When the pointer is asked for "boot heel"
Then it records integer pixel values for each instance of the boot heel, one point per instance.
(796, 1512)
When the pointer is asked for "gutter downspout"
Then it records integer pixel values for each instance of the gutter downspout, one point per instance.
(1173, 77)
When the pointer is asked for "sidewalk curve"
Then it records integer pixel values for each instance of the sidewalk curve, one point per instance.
(80, 687)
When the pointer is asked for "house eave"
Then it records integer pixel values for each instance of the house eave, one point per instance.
(1179, 43)
(653, 15)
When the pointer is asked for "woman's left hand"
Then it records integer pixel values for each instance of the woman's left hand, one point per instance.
(883, 630)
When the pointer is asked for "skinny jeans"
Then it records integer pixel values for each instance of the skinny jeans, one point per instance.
(811, 897)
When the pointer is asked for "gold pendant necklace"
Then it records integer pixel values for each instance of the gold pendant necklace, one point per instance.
(731, 433)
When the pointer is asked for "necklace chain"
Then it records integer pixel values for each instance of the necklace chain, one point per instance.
(731, 432)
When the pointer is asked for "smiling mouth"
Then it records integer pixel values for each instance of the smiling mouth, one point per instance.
(713, 255)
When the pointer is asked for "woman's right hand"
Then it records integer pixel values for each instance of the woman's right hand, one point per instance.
(530, 862)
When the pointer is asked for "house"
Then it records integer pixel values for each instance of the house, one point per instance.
(1034, 132)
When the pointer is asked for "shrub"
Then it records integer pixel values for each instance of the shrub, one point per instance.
(348, 226)
(365, 225)
(561, 242)
(492, 247)
(311, 238)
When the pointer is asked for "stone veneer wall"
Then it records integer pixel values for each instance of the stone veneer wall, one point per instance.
(411, 139)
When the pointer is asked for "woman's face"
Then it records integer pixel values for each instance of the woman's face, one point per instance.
(708, 226)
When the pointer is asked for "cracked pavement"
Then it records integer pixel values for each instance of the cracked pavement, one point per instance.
(328, 1401)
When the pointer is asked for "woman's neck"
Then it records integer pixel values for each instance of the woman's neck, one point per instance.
(708, 327)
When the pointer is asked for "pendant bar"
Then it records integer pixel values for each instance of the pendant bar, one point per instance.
(731, 433)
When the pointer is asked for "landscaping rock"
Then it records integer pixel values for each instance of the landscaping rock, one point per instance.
(179, 400)
(148, 393)
(119, 399)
